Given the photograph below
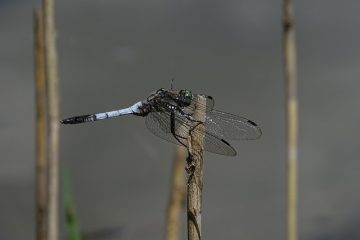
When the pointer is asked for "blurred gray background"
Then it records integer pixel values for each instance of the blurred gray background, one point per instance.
(114, 53)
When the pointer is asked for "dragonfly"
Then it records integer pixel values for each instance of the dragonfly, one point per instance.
(169, 114)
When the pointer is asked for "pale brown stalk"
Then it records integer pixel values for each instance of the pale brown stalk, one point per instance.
(195, 172)
(291, 118)
(41, 128)
(51, 63)
(177, 194)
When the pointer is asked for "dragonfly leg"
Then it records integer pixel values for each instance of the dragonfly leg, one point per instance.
(177, 137)
(172, 128)
(188, 116)
(197, 124)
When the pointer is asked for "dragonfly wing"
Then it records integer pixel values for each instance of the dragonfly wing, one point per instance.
(208, 106)
(230, 126)
(159, 123)
(218, 145)
(209, 103)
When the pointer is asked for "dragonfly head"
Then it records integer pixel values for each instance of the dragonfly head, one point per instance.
(185, 97)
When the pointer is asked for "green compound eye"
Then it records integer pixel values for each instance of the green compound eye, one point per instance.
(186, 93)
(185, 97)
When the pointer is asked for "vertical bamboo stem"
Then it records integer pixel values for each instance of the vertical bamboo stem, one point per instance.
(41, 128)
(195, 173)
(51, 63)
(176, 196)
(291, 117)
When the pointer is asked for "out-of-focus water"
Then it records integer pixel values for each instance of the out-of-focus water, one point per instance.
(114, 53)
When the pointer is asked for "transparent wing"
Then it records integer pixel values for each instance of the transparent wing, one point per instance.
(209, 106)
(229, 126)
(159, 123)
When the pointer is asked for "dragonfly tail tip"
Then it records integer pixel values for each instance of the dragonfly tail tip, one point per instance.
(66, 121)
(79, 119)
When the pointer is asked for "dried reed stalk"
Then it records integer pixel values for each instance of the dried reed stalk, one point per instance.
(195, 173)
(176, 196)
(41, 128)
(291, 117)
(51, 63)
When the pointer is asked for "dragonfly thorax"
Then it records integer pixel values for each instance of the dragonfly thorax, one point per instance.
(184, 98)
(171, 99)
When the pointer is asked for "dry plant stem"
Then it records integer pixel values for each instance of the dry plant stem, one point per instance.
(51, 63)
(195, 173)
(291, 118)
(176, 196)
(41, 127)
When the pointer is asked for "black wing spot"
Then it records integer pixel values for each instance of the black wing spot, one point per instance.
(210, 97)
(225, 142)
(233, 153)
(252, 123)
